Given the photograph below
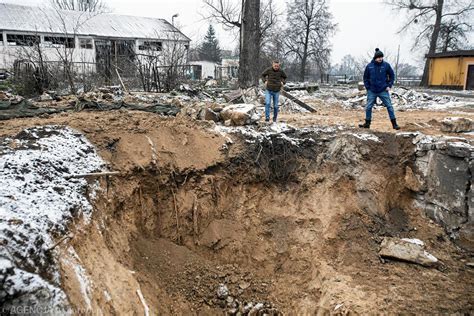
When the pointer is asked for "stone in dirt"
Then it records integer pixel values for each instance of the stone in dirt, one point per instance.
(410, 250)
(457, 125)
(222, 291)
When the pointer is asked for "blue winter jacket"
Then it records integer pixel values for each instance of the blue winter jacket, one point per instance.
(378, 76)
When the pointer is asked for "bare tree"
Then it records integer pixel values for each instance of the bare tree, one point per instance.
(308, 33)
(427, 17)
(453, 34)
(80, 5)
(254, 21)
(159, 63)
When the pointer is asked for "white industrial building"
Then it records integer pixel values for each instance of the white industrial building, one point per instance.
(98, 39)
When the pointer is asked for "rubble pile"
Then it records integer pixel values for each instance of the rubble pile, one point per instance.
(457, 125)
(403, 99)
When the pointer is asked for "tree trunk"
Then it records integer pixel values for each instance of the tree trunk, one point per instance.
(433, 42)
(249, 70)
(304, 58)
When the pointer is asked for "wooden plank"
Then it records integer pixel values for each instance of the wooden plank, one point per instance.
(299, 102)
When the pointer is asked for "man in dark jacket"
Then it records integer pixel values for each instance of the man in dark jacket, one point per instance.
(274, 79)
(378, 80)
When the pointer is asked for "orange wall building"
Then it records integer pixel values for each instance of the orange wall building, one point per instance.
(452, 70)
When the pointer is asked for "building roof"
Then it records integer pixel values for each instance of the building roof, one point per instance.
(456, 53)
(47, 20)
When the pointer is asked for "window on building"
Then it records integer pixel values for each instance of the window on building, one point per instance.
(1, 38)
(151, 45)
(22, 40)
(55, 41)
(86, 43)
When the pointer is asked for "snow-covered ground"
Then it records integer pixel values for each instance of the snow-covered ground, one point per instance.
(37, 202)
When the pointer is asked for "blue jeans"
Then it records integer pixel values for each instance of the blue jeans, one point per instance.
(269, 95)
(372, 97)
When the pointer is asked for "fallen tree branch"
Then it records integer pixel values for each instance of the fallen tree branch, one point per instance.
(70, 236)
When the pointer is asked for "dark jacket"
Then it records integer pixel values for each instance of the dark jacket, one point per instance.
(378, 76)
(274, 78)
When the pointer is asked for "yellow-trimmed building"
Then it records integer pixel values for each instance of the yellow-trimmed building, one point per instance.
(452, 70)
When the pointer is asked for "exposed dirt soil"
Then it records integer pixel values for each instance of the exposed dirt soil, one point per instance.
(190, 212)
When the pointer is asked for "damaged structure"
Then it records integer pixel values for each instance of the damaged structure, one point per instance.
(96, 42)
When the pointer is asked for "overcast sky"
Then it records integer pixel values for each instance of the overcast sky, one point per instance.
(362, 24)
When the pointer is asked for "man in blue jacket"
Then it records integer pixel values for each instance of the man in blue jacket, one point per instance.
(378, 80)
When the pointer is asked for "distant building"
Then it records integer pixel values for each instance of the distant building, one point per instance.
(102, 39)
(204, 69)
(452, 70)
(229, 69)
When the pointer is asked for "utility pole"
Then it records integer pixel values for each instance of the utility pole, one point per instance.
(396, 66)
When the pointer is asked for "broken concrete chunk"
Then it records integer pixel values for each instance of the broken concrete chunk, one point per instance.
(410, 250)
(457, 125)
(460, 150)
(239, 114)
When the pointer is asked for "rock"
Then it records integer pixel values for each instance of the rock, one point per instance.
(460, 149)
(447, 199)
(222, 291)
(45, 97)
(210, 115)
(256, 309)
(3, 96)
(410, 250)
(211, 83)
(457, 125)
(244, 285)
(360, 86)
(177, 102)
(239, 114)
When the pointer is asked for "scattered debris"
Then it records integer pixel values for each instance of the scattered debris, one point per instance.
(457, 125)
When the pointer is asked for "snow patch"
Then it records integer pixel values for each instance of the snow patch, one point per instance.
(37, 202)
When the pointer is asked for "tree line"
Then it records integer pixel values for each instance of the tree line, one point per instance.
(302, 40)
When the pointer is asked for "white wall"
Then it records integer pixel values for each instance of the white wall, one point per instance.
(208, 68)
(8, 53)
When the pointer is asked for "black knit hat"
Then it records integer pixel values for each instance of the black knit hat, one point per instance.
(378, 53)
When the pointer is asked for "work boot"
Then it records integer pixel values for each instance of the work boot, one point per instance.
(394, 124)
(365, 125)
